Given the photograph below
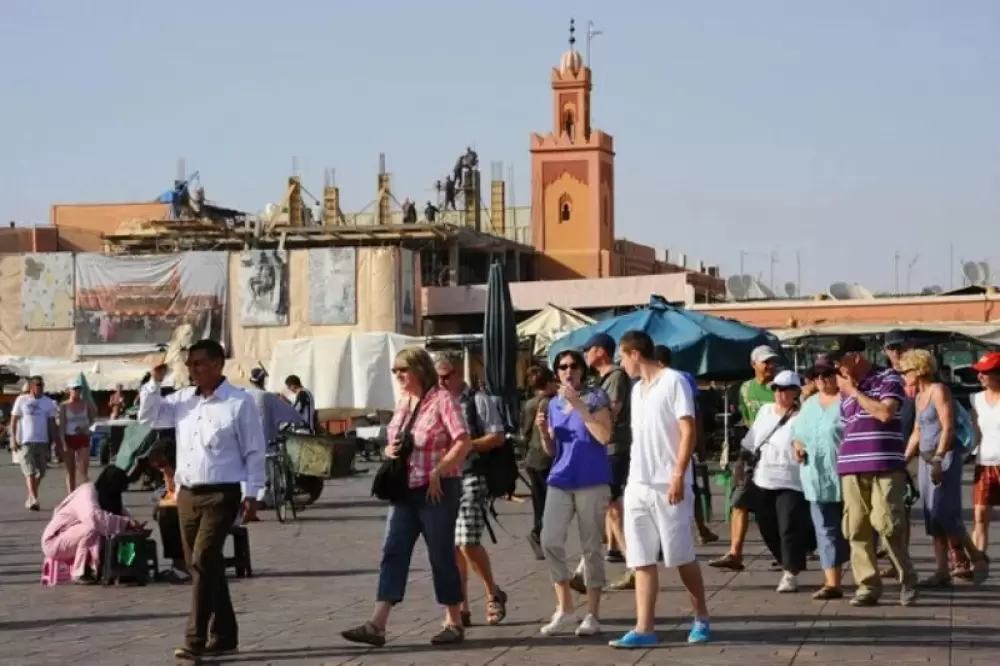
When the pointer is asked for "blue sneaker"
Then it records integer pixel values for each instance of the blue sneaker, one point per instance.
(701, 632)
(634, 640)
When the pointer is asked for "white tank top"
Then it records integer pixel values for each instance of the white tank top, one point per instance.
(76, 420)
(988, 419)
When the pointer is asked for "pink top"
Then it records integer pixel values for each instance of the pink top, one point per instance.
(81, 507)
(437, 427)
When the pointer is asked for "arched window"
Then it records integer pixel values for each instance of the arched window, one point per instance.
(565, 208)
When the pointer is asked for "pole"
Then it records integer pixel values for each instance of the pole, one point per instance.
(798, 274)
(774, 260)
(951, 266)
(895, 268)
(743, 256)
(591, 33)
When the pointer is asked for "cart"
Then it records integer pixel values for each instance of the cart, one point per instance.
(316, 458)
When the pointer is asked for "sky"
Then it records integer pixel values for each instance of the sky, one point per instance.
(833, 135)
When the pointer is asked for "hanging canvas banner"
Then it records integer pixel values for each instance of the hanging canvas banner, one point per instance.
(47, 291)
(264, 288)
(407, 298)
(133, 305)
(333, 286)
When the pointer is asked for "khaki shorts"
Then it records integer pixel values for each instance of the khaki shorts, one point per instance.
(34, 459)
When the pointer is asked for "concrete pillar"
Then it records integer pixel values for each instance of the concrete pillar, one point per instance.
(453, 264)
(331, 206)
(498, 207)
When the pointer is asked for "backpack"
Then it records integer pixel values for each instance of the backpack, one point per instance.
(965, 437)
(497, 466)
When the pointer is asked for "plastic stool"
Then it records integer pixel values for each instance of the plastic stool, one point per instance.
(55, 572)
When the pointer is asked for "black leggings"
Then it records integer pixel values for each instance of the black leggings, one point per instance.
(785, 525)
(537, 479)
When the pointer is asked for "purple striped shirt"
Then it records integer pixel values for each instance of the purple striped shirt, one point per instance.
(870, 446)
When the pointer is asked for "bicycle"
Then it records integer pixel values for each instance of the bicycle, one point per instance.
(282, 481)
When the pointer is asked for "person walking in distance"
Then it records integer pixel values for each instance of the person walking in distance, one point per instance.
(486, 431)
(76, 415)
(33, 430)
(537, 463)
(754, 393)
(220, 444)
(303, 403)
(658, 502)
(986, 423)
(872, 468)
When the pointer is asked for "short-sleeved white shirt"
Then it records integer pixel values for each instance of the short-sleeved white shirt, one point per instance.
(988, 417)
(34, 414)
(657, 409)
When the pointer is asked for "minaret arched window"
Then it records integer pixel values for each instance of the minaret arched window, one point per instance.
(565, 208)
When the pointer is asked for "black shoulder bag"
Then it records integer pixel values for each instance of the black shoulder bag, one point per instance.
(392, 480)
(748, 494)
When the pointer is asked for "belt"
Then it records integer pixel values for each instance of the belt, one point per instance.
(206, 488)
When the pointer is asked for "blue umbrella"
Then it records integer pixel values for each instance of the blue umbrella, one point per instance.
(708, 347)
(500, 346)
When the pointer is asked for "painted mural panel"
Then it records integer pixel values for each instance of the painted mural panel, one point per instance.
(47, 291)
(333, 286)
(263, 284)
(133, 305)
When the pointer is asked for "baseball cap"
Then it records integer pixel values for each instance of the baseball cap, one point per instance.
(601, 340)
(74, 384)
(846, 344)
(990, 362)
(786, 379)
(762, 354)
(895, 338)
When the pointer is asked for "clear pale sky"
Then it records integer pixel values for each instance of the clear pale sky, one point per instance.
(844, 131)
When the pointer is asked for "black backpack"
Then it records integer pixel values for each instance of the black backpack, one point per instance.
(497, 466)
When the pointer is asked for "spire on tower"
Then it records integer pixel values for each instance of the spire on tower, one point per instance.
(572, 34)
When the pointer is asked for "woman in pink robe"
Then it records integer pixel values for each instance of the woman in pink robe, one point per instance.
(92, 511)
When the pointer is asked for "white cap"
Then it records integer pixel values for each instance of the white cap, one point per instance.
(74, 384)
(762, 354)
(786, 379)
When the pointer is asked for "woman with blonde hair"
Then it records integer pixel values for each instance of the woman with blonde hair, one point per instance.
(940, 466)
(429, 432)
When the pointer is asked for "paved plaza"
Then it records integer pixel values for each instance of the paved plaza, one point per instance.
(317, 577)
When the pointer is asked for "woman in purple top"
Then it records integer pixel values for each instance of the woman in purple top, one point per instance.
(575, 431)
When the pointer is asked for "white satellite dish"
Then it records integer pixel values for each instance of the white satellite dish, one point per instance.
(975, 273)
(760, 291)
(842, 291)
(739, 286)
(791, 290)
(931, 290)
(987, 275)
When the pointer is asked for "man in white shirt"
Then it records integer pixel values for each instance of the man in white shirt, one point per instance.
(33, 430)
(658, 502)
(220, 444)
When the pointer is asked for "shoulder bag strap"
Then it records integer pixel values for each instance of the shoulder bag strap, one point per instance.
(778, 426)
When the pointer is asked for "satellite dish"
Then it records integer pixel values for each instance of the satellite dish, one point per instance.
(842, 291)
(791, 290)
(931, 290)
(760, 291)
(975, 273)
(739, 286)
(985, 268)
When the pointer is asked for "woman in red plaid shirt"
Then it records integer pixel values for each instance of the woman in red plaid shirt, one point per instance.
(440, 444)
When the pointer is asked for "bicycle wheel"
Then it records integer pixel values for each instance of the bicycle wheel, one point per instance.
(279, 493)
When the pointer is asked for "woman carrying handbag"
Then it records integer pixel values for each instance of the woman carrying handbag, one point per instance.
(421, 478)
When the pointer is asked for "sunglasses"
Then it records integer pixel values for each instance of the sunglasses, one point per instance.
(400, 370)
(568, 366)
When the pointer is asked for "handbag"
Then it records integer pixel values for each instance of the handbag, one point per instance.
(750, 491)
(392, 480)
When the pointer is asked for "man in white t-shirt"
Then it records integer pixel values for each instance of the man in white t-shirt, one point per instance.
(658, 502)
(33, 429)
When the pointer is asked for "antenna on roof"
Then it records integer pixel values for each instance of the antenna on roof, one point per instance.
(181, 170)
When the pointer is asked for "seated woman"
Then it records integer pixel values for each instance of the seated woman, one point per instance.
(92, 511)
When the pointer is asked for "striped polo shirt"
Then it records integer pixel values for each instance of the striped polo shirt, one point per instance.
(870, 446)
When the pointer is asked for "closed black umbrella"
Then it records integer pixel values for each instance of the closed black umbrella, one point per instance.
(500, 347)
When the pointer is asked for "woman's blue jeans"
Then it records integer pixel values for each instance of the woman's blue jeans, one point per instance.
(831, 546)
(436, 522)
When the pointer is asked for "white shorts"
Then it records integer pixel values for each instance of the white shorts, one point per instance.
(652, 523)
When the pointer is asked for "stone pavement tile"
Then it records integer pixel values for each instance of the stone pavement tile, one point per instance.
(317, 577)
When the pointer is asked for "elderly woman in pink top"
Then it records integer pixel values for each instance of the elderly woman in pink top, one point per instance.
(92, 511)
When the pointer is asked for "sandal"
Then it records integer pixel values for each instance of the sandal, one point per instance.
(939, 579)
(889, 572)
(367, 633)
(727, 561)
(466, 619)
(827, 593)
(496, 608)
(448, 636)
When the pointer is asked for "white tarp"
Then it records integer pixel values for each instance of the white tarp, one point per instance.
(348, 375)
(550, 324)
(988, 334)
(58, 373)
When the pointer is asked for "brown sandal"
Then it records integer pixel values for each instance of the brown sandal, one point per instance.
(449, 635)
(367, 633)
(496, 608)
